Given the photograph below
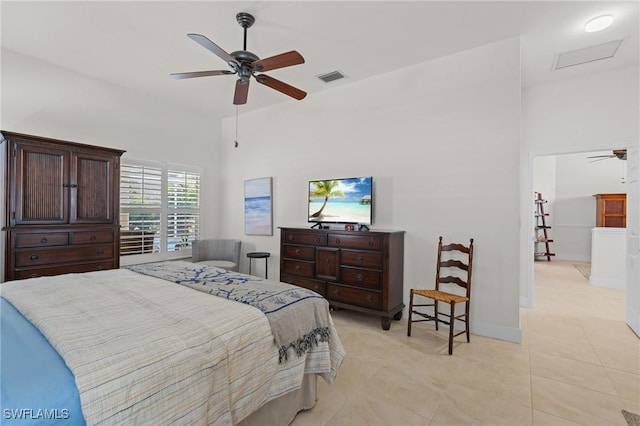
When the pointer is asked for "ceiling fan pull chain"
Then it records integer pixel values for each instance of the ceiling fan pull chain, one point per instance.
(236, 141)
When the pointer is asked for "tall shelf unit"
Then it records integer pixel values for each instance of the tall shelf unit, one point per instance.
(542, 240)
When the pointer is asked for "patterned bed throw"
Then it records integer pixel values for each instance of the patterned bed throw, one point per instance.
(299, 318)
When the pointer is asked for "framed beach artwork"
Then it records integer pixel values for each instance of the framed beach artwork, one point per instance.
(258, 218)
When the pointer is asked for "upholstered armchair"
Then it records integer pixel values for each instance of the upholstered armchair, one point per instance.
(224, 253)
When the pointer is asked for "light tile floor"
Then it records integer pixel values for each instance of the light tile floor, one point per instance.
(578, 364)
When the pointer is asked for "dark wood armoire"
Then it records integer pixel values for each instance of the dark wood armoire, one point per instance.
(62, 206)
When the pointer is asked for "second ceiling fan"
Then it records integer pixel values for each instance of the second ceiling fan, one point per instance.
(247, 64)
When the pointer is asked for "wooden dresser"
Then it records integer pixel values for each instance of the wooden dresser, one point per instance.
(62, 207)
(611, 210)
(357, 270)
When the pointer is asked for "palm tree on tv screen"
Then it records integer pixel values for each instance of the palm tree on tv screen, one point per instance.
(325, 188)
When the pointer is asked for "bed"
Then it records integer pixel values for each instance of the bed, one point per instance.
(162, 343)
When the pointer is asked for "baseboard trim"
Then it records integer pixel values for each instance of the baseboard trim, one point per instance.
(607, 282)
(495, 331)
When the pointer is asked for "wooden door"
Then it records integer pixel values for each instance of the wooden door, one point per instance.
(40, 192)
(92, 182)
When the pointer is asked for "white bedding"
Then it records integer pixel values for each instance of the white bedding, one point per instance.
(144, 350)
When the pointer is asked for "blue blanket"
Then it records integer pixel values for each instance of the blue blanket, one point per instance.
(299, 318)
(36, 385)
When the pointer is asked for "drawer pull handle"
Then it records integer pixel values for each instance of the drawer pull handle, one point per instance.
(317, 240)
(99, 267)
(326, 261)
(33, 257)
(337, 240)
(370, 243)
(360, 258)
(297, 251)
(369, 298)
(336, 292)
(316, 287)
(33, 276)
(100, 252)
(359, 277)
(290, 237)
(92, 238)
(297, 268)
(43, 240)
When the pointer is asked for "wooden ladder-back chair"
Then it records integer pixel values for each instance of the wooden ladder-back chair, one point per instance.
(449, 263)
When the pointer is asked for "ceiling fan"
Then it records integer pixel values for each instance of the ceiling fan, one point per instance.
(620, 154)
(247, 64)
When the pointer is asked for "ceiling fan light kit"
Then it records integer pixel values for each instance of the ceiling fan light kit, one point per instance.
(247, 64)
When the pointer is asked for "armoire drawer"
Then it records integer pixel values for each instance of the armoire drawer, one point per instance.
(63, 269)
(353, 296)
(44, 239)
(91, 237)
(68, 254)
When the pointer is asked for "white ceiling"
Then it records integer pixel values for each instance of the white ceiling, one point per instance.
(136, 45)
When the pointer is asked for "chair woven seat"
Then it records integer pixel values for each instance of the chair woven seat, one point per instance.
(453, 252)
(441, 296)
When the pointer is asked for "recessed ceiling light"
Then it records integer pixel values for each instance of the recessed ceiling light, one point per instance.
(598, 24)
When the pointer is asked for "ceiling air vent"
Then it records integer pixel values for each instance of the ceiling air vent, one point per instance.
(587, 54)
(331, 76)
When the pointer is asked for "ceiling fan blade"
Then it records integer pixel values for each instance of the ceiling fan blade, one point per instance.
(212, 47)
(181, 75)
(278, 61)
(600, 158)
(281, 86)
(241, 93)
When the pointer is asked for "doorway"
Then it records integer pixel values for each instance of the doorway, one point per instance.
(568, 181)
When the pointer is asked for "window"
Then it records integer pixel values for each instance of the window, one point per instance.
(159, 208)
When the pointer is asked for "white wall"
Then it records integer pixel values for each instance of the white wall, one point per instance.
(441, 140)
(98, 113)
(592, 113)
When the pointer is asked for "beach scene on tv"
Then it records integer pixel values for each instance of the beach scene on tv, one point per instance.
(340, 200)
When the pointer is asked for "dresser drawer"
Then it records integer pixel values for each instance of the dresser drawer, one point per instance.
(354, 296)
(368, 242)
(299, 252)
(309, 238)
(66, 269)
(362, 259)
(299, 268)
(91, 237)
(319, 287)
(41, 239)
(68, 254)
(361, 277)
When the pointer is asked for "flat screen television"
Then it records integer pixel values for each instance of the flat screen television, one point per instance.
(348, 200)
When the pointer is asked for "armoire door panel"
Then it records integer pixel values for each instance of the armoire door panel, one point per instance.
(91, 183)
(41, 196)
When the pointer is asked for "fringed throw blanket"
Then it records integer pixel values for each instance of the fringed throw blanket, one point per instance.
(299, 318)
